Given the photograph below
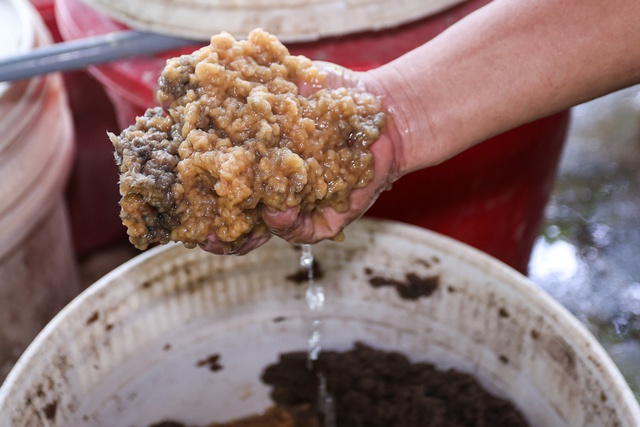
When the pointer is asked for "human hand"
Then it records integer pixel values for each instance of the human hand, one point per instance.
(323, 222)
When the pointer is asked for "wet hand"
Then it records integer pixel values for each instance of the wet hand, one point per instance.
(322, 222)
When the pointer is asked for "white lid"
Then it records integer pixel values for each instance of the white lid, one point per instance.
(35, 164)
(16, 30)
(36, 131)
(289, 20)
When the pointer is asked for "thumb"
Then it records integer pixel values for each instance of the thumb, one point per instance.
(280, 220)
(338, 76)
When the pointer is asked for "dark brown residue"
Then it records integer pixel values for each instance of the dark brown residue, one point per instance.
(503, 312)
(50, 409)
(562, 353)
(193, 286)
(412, 288)
(596, 363)
(425, 263)
(167, 424)
(504, 359)
(94, 316)
(62, 364)
(212, 362)
(370, 387)
(300, 416)
(301, 276)
(535, 334)
(279, 319)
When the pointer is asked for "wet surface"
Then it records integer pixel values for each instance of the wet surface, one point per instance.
(587, 257)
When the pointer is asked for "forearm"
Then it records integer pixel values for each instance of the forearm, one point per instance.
(509, 63)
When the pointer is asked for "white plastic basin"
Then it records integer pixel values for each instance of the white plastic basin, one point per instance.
(126, 352)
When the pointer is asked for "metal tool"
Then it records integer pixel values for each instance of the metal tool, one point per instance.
(78, 54)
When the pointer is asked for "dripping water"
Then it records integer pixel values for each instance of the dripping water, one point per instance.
(315, 302)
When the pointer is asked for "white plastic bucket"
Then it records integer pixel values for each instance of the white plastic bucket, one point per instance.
(126, 351)
(37, 267)
(290, 20)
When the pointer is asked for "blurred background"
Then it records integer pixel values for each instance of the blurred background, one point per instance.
(587, 256)
(557, 199)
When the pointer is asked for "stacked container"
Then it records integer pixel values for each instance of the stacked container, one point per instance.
(37, 265)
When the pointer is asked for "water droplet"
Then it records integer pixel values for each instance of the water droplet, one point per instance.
(325, 402)
(315, 301)
(315, 297)
(306, 259)
(621, 325)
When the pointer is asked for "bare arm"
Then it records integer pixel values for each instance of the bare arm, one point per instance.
(509, 63)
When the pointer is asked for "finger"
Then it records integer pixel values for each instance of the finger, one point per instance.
(253, 243)
(216, 247)
(321, 224)
(290, 225)
(337, 75)
(240, 247)
(279, 221)
(333, 76)
(299, 231)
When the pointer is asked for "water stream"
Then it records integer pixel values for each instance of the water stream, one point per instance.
(315, 302)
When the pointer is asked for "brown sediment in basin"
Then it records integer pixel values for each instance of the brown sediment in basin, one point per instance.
(376, 388)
